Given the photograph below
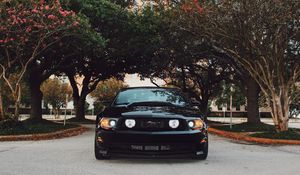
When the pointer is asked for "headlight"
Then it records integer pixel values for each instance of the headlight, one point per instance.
(191, 124)
(196, 124)
(174, 123)
(107, 123)
(130, 123)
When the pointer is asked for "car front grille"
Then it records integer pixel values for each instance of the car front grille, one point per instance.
(154, 124)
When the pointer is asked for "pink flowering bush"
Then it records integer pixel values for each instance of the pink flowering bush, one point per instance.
(192, 6)
(27, 29)
(33, 23)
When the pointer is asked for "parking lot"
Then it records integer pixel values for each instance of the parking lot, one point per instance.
(74, 156)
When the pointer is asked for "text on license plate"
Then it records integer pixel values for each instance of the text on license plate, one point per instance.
(150, 148)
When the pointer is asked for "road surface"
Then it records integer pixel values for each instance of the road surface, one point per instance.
(74, 156)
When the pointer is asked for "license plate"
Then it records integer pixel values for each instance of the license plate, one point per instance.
(165, 148)
(137, 147)
(151, 148)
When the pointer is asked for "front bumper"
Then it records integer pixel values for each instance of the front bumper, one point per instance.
(136, 143)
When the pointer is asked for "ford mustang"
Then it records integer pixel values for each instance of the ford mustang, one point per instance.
(150, 121)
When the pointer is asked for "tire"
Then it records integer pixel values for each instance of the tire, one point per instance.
(205, 152)
(98, 155)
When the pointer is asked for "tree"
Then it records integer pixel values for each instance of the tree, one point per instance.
(124, 3)
(105, 92)
(56, 93)
(7, 101)
(27, 29)
(82, 85)
(252, 94)
(1, 109)
(2, 114)
(295, 101)
(74, 42)
(263, 37)
(183, 21)
(247, 84)
(200, 78)
(184, 60)
(57, 59)
(227, 90)
(108, 89)
(115, 24)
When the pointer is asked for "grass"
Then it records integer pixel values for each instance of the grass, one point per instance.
(261, 130)
(10, 127)
(291, 134)
(82, 121)
(245, 127)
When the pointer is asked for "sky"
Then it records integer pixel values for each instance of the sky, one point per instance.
(133, 80)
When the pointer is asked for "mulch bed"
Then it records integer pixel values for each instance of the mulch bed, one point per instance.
(46, 136)
(245, 137)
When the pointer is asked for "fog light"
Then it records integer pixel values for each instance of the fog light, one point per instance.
(191, 124)
(130, 123)
(196, 124)
(174, 123)
(108, 123)
(199, 124)
(112, 123)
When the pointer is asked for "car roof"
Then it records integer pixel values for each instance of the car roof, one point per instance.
(149, 87)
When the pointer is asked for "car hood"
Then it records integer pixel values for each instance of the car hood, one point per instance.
(150, 111)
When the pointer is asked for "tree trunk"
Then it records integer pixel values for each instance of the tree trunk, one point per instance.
(253, 90)
(56, 112)
(204, 107)
(280, 110)
(36, 98)
(17, 98)
(183, 79)
(17, 110)
(78, 98)
(79, 104)
(1, 106)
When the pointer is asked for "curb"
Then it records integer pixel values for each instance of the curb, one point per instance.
(244, 137)
(45, 136)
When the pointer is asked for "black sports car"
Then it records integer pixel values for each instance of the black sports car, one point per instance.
(151, 122)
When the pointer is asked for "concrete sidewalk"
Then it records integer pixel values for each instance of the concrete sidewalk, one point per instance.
(293, 123)
(61, 117)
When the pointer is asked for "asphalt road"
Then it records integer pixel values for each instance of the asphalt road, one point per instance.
(74, 156)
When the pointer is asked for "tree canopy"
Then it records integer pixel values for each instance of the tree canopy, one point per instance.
(27, 29)
(56, 93)
(195, 45)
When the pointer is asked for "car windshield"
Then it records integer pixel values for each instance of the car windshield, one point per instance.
(131, 96)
